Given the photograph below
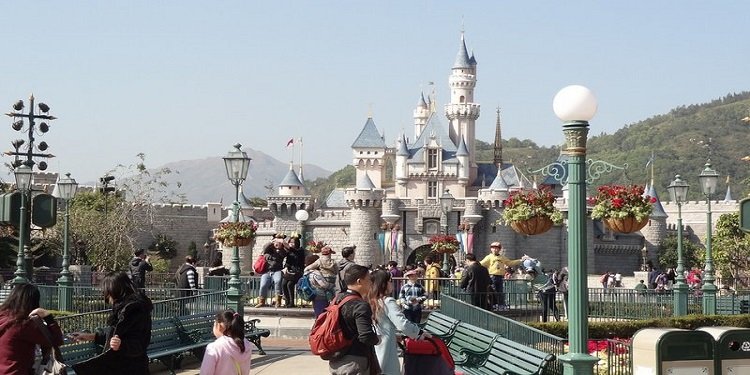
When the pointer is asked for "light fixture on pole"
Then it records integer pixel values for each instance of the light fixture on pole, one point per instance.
(575, 106)
(678, 191)
(66, 188)
(237, 164)
(446, 204)
(23, 183)
(302, 216)
(709, 178)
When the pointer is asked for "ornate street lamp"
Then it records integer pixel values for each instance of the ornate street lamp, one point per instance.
(678, 190)
(23, 184)
(575, 106)
(66, 188)
(446, 204)
(237, 163)
(709, 178)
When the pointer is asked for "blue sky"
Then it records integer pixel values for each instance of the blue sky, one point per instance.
(183, 80)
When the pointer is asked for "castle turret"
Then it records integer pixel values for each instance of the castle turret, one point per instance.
(462, 111)
(365, 202)
(421, 114)
(402, 156)
(292, 196)
(464, 168)
(656, 229)
(368, 152)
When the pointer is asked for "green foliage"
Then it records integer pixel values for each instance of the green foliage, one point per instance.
(627, 328)
(193, 250)
(525, 205)
(258, 202)
(322, 187)
(668, 252)
(160, 265)
(731, 247)
(165, 246)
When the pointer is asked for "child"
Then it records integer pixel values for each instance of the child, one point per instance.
(322, 273)
(411, 297)
(231, 352)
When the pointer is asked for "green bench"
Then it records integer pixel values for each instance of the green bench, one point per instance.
(440, 325)
(505, 357)
(171, 340)
(469, 339)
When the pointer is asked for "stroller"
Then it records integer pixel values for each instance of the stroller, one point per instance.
(428, 356)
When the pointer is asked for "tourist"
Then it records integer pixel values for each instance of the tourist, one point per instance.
(604, 280)
(476, 281)
(389, 321)
(641, 287)
(187, 282)
(218, 269)
(495, 263)
(432, 278)
(545, 285)
(411, 297)
(292, 271)
(19, 334)
(231, 352)
(323, 273)
(274, 253)
(127, 334)
(392, 267)
(347, 260)
(138, 267)
(356, 316)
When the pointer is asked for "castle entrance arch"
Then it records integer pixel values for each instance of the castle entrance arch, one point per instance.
(422, 251)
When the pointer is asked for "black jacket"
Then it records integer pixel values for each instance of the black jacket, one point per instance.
(183, 281)
(138, 268)
(274, 259)
(475, 279)
(295, 260)
(357, 318)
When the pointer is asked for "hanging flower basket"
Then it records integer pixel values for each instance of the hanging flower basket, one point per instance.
(238, 242)
(625, 225)
(533, 226)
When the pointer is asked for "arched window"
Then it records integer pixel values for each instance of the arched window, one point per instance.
(461, 99)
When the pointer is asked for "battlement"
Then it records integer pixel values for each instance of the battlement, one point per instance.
(364, 197)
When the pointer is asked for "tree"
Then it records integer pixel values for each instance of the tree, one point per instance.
(668, 252)
(731, 248)
(107, 225)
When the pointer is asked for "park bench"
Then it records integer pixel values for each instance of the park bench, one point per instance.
(440, 325)
(468, 338)
(171, 340)
(505, 357)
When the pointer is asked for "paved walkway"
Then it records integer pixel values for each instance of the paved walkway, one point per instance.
(284, 357)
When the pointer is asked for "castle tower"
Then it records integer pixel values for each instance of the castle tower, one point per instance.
(421, 114)
(402, 169)
(462, 111)
(498, 156)
(656, 229)
(368, 152)
(292, 196)
(365, 202)
(464, 167)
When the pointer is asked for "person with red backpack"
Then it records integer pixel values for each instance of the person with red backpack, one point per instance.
(356, 325)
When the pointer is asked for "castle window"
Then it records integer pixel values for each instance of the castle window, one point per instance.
(431, 189)
(368, 152)
(432, 158)
(461, 99)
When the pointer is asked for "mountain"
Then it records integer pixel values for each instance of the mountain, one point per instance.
(680, 140)
(205, 180)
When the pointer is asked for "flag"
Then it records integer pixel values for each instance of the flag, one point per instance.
(290, 143)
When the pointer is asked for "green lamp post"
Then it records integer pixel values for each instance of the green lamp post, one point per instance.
(678, 190)
(66, 188)
(446, 204)
(237, 164)
(575, 106)
(23, 183)
(709, 178)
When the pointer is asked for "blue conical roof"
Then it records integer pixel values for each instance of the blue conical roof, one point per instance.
(421, 102)
(369, 137)
(365, 183)
(291, 179)
(499, 183)
(728, 196)
(462, 151)
(462, 58)
(658, 209)
(403, 150)
(472, 59)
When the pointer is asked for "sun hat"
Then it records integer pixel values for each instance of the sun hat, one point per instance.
(411, 273)
(496, 244)
(326, 250)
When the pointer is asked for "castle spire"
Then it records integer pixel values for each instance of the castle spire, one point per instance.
(498, 159)
(728, 195)
(462, 58)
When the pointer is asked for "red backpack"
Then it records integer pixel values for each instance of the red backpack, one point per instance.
(261, 265)
(327, 336)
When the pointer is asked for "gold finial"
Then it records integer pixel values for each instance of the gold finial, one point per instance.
(369, 110)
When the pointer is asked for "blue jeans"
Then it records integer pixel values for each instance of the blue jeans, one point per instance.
(265, 283)
(497, 284)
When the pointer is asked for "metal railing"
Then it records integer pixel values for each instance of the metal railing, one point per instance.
(90, 299)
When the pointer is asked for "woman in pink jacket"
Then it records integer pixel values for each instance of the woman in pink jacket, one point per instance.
(230, 354)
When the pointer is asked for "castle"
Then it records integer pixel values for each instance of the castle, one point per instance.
(394, 207)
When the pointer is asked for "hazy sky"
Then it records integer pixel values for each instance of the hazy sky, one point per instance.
(183, 80)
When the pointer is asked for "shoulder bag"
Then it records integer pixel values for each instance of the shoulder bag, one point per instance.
(51, 362)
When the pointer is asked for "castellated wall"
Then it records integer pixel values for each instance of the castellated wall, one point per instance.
(694, 214)
(183, 223)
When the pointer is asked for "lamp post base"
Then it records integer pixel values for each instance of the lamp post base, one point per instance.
(680, 299)
(709, 299)
(578, 363)
(65, 293)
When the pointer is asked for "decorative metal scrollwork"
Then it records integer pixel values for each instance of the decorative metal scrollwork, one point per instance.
(594, 170)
